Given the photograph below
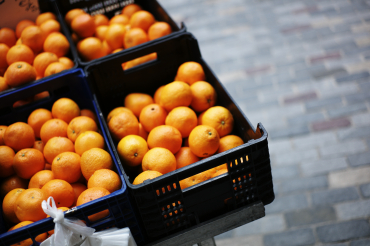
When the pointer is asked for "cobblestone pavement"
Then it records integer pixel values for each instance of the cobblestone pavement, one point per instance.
(302, 69)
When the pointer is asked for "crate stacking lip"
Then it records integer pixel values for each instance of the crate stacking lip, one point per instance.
(165, 209)
(73, 85)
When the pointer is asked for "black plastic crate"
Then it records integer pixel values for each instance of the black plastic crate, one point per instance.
(110, 9)
(174, 210)
(73, 85)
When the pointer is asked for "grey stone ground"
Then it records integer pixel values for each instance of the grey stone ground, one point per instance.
(302, 69)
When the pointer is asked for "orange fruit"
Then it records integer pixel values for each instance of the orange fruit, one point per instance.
(7, 36)
(56, 43)
(142, 133)
(40, 178)
(106, 48)
(78, 188)
(195, 179)
(105, 178)
(3, 86)
(83, 25)
(117, 110)
(183, 119)
(140, 60)
(159, 29)
(20, 52)
(67, 62)
(101, 20)
(8, 205)
(19, 136)
(114, 35)
(219, 118)
(204, 141)
(145, 176)
(27, 206)
(19, 73)
(100, 32)
(40, 238)
(159, 159)
(175, 94)
(88, 140)
(132, 149)
(56, 146)
(66, 166)
(229, 142)
(20, 103)
(53, 128)
(151, 116)
(120, 19)
(47, 166)
(37, 118)
(6, 161)
(190, 72)
(166, 137)
(79, 125)
(137, 101)
(3, 52)
(2, 132)
(95, 159)
(123, 124)
(72, 14)
(27, 162)
(43, 17)
(204, 96)
(53, 68)
(130, 9)
(11, 183)
(41, 95)
(142, 19)
(61, 191)
(42, 61)
(134, 36)
(22, 25)
(219, 172)
(49, 27)
(65, 109)
(89, 113)
(90, 48)
(33, 37)
(157, 94)
(117, 50)
(90, 195)
(185, 157)
(39, 145)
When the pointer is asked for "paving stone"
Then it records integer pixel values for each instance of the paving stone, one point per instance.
(341, 90)
(347, 110)
(287, 203)
(290, 132)
(241, 241)
(299, 98)
(281, 173)
(313, 168)
(290, 238)
(358, 97)
(365, 190)
(352, 77)
(353, 210)
(228, 234)
(327, 73)
(306, 118)
(279, 146)
(353, 133)
(361, 242)
(351, 146)
(315, 139)
(268, 224)
(330, 124)
(343, 231)
(310, 216)
(333, 55)
(349, 177)
(359, 159)
(332, 196)
(301, 184)
(326, 102)
(291, 158)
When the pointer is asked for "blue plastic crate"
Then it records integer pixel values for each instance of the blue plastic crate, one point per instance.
(73, 85)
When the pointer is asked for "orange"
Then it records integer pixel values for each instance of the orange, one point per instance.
(27, 162)
(105, 178)
(130, 9)
(27, 206)
(40, 178)
(159, 29)
(19, 135)
(66, 166)
(100, 32)
(120, 19)
(117, 110)
(7, 36)
(166, 137)
(229, 142)
(151, 116)
(132, 149)
(83, 25)
(47, 166)
(185, 157)
(49, 27)
(53, 68)
(114, 35)
(95, 159)
(137, 101)
(204, 96)
(90, 48)
(88, 140)
(2, 71)
(61, 191)
(39, 145)
(183, 119)
(219, 172)
(37, 118)
(219, 118)
(19, 73)
(20, 103)
(140, 60)
(190, 72)
(134, 36)
(41, 18)
(78, 188)
(42, 61)
(175, 94)
(41, 95)
(20, 52)
(56, 146)
(72, 14)
(56, 43)
(106, 48)
(142, 19)
(3, 86)
(204, 141)
(22, 25)
(159, 159)
(33, 37)
(101, 20)
(146, 175)
(157, 94)
(89, 113)
(117, 50)
(123, 124)
(40, 238)
(53, 128)
(65, 109)
(195, 179)
(11, 183)
(3, 52)
(67, 62)
(2, 132)
(8, 205)
(79, 125)
(90, 195)
(142, 133)
(6, 161)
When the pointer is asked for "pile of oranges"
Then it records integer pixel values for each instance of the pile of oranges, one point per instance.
(97, 36)
(58, 153)
(177, 126)
(32, 51)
